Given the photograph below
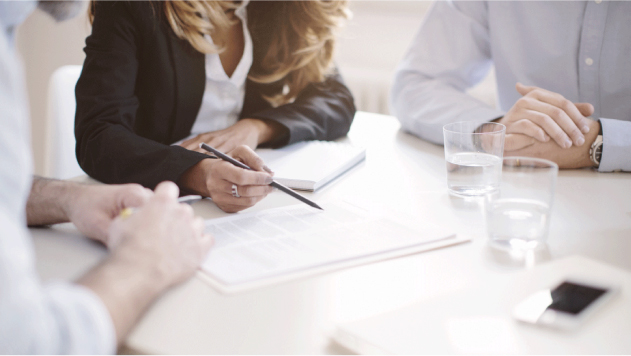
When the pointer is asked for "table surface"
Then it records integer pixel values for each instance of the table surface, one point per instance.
(591, 216)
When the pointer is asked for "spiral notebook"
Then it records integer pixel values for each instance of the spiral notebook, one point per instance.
(309, 165)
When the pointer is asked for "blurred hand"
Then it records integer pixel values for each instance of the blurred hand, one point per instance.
(248, 132)
(215, 177)
(92, 208)
(162, 237)
(540, 115)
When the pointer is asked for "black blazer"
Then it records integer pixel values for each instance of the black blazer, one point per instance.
(141, 89)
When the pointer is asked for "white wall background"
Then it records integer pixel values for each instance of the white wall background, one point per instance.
(369, 48)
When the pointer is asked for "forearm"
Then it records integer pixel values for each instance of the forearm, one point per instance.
(424, 105)
(49, 200)
(126, 288)
(322, 111)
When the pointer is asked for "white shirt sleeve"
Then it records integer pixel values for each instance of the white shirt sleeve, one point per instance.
(57, 319)
(450, 53)
(616, 153)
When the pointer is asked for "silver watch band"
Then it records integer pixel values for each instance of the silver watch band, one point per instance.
(595, 151)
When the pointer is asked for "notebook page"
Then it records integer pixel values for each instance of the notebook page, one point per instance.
(311, 164)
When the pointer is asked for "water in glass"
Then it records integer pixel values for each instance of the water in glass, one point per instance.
(473, 173)
(517, 223)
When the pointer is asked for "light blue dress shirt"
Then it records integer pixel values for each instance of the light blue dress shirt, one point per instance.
(58, 318)
(580, 49)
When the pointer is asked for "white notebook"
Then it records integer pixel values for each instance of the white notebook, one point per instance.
(280, 244)
(309, 165)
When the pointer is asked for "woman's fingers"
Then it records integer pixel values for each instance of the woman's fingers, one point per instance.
(224, 186)
(246, 155)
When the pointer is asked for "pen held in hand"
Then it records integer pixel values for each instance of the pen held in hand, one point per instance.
(274, 184)
(187, 199)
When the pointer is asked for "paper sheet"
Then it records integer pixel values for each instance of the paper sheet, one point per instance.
(255, 247)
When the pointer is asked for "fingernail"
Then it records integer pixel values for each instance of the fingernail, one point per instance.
(568, 143)
(268, 180)
(546, 138)
(585, 129)
(267, 169)
(580, 141)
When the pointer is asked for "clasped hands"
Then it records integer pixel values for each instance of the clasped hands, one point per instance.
(546, 125)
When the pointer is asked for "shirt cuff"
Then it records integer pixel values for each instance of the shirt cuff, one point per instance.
(616, 155)
(88, 325)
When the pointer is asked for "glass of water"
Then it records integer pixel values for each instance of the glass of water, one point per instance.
(518, 214)
(473, 152)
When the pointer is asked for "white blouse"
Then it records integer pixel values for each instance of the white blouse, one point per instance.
(223, 96)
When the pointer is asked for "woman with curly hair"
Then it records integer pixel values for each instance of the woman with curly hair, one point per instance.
(161, 77)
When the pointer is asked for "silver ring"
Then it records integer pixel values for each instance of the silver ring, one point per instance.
(235, 192)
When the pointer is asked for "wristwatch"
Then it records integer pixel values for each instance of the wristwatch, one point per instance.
(596, 151)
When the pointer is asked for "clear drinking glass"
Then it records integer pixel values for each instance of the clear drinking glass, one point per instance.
(473, 152)
(518, 214)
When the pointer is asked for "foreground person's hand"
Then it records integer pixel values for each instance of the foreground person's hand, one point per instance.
(162, 237)
(92, 208)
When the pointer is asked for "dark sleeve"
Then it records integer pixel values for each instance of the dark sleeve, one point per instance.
(107, 148)
(322, 111)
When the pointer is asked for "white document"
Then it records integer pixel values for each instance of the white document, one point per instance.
(260, 248)
(309, 165)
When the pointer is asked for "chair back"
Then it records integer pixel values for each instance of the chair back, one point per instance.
(61, 160)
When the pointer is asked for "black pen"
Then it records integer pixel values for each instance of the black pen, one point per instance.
(274, 183)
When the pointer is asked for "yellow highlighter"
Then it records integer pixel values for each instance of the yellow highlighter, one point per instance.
(188, 199)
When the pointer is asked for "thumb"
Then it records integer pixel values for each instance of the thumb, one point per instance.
(167, 189)
(134, 196)
(586, 109)
(524, 89)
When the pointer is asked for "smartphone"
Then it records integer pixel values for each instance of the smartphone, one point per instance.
(566, 306)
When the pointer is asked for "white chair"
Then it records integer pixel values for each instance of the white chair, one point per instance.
(61, 160)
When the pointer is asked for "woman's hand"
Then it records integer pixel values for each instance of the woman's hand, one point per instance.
(215, 177)
(248, 132)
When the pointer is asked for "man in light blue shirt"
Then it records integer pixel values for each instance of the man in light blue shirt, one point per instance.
(558, 64)
(160, 245)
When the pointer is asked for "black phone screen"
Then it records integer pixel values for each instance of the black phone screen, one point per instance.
(572, 298)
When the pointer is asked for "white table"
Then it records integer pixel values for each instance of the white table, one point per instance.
(591, 217)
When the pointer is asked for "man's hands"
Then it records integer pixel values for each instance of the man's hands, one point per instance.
(249, 132)
(544, 124)
(573, 157)
(163, 237)
(92, 208)
(541, 115)
(214, 178)
(160, 245)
